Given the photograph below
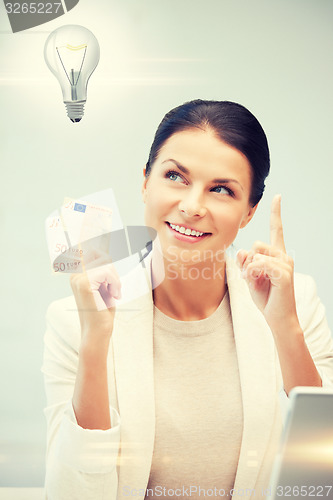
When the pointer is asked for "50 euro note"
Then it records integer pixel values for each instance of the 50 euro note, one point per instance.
(77, 232)
(84, 234)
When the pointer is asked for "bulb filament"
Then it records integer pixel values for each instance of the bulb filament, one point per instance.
(74, 75)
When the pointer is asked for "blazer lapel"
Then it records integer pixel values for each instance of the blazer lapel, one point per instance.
(134, 373)
(257, 369)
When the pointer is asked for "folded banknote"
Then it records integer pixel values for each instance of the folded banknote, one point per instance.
(84, 234)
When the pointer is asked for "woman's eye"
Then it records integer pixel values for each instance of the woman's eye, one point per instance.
(173, 176)
(222, 190)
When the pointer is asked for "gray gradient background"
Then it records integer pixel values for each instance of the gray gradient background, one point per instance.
(273, 56)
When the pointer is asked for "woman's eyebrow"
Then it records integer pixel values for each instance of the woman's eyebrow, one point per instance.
(186, 171)
(181, 167)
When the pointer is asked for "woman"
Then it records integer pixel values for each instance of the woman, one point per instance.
(177, 393)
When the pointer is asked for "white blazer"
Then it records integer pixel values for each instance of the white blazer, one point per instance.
(114, 464)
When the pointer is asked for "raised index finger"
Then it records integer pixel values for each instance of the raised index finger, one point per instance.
(276, 228)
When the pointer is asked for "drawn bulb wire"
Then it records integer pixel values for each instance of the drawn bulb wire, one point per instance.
(74, 76)
(72, 54)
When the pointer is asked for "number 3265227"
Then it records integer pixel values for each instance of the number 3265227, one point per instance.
(32, 8)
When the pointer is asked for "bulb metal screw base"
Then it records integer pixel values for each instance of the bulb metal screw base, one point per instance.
(75, 110)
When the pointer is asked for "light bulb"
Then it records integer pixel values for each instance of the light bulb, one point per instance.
(72, 53)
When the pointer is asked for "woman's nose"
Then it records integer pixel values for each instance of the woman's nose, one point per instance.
(192, 204)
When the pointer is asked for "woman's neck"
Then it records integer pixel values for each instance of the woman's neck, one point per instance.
(191, 292)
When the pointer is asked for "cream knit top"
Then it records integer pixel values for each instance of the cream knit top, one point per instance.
(199, 415)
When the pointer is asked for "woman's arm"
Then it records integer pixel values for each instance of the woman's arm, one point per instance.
(269, 272)
(82, 449)
(91, 397)
(94, 292)
(297, 365)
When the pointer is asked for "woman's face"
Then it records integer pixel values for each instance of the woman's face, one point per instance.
(197, 194)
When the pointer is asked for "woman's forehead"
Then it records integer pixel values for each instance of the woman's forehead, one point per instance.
(201, 148)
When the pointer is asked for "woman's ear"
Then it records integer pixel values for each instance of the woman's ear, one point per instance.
(144, 186)
(248, 217)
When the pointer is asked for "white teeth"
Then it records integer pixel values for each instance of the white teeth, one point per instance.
(186, 231)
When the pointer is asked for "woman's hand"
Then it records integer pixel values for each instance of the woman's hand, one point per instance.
(94, 292)
(269, 272)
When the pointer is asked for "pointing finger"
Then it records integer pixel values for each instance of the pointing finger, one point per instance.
(276, 228)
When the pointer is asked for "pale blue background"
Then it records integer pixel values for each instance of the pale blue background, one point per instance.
(275, 57)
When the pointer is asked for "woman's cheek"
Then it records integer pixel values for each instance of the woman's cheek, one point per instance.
(230, 225)
(231, 219)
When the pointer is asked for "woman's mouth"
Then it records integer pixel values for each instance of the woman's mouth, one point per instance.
(183, 233)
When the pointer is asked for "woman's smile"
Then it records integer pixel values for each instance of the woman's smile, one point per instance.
(185, 233)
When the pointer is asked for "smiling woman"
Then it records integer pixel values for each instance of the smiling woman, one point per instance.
(179, 390)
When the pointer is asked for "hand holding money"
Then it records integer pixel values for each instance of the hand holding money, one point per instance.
(78, 240)
(79, 243)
